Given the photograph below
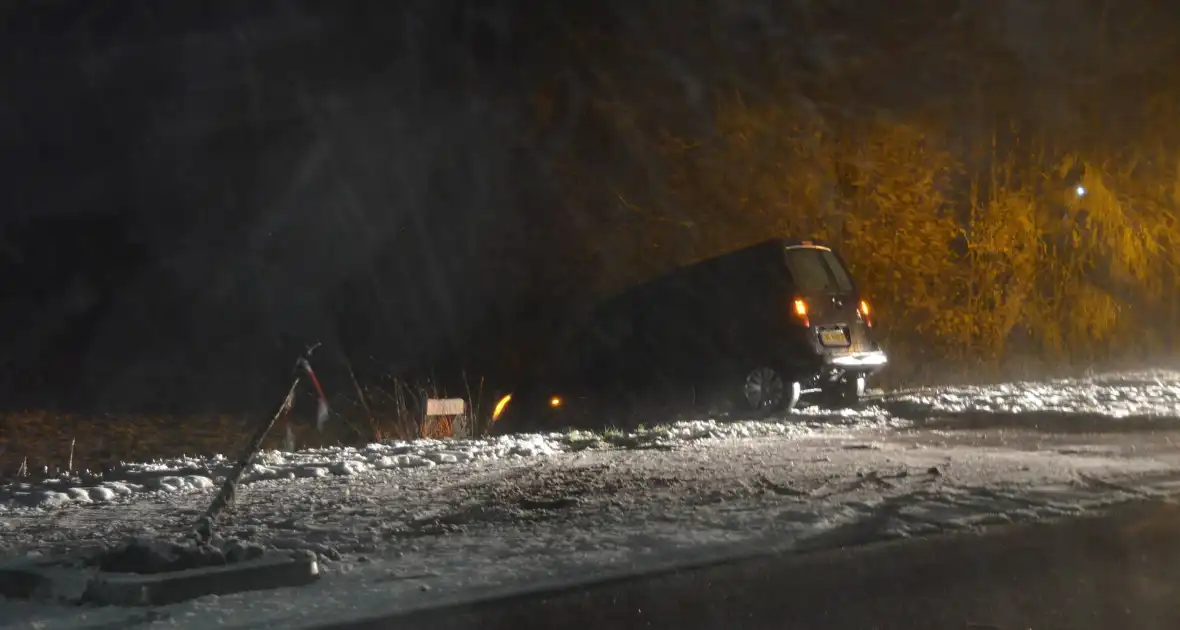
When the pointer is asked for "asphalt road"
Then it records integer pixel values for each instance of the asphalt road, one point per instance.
(1114, 572)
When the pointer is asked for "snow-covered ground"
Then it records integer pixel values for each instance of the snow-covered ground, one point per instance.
(407, 525)
(1147, 394)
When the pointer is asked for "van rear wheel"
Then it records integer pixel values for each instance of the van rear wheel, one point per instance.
(766, 391)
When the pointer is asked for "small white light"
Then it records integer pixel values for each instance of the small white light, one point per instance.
(1080, 190)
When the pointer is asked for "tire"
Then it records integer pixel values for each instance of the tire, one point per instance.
(765, 391)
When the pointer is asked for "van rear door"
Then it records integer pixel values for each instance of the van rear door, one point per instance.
(828, 297)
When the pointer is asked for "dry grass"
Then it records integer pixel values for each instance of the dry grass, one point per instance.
(44, 438)
(106, 439)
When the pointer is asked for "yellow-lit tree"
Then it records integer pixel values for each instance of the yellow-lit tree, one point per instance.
(900, 232)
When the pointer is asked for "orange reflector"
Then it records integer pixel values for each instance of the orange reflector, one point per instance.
(503, 402)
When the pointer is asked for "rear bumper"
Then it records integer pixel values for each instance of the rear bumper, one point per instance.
(859, 361)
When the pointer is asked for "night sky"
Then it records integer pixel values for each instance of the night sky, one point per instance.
(193, 195)
(191, 192)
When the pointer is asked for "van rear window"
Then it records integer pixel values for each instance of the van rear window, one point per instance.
(817, 271)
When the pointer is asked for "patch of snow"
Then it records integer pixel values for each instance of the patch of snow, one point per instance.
(1140, 394)
(202, 475)
(1117, 395)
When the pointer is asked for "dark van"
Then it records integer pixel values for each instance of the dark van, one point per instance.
(749, 333)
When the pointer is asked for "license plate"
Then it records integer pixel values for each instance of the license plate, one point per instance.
(833, 337)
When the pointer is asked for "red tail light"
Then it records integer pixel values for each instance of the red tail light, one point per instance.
(863, 307)
(801, 312)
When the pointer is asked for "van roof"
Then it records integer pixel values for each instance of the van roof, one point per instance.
(620, 299)
(798, 242)
(772, 243)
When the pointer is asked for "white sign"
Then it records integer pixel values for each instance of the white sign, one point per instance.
(445, 406)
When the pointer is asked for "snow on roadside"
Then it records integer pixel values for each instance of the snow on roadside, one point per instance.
(401, 539)
(195, 474)
(1145, 394)
(406, 525)
(201, 474)
(1148, 394)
